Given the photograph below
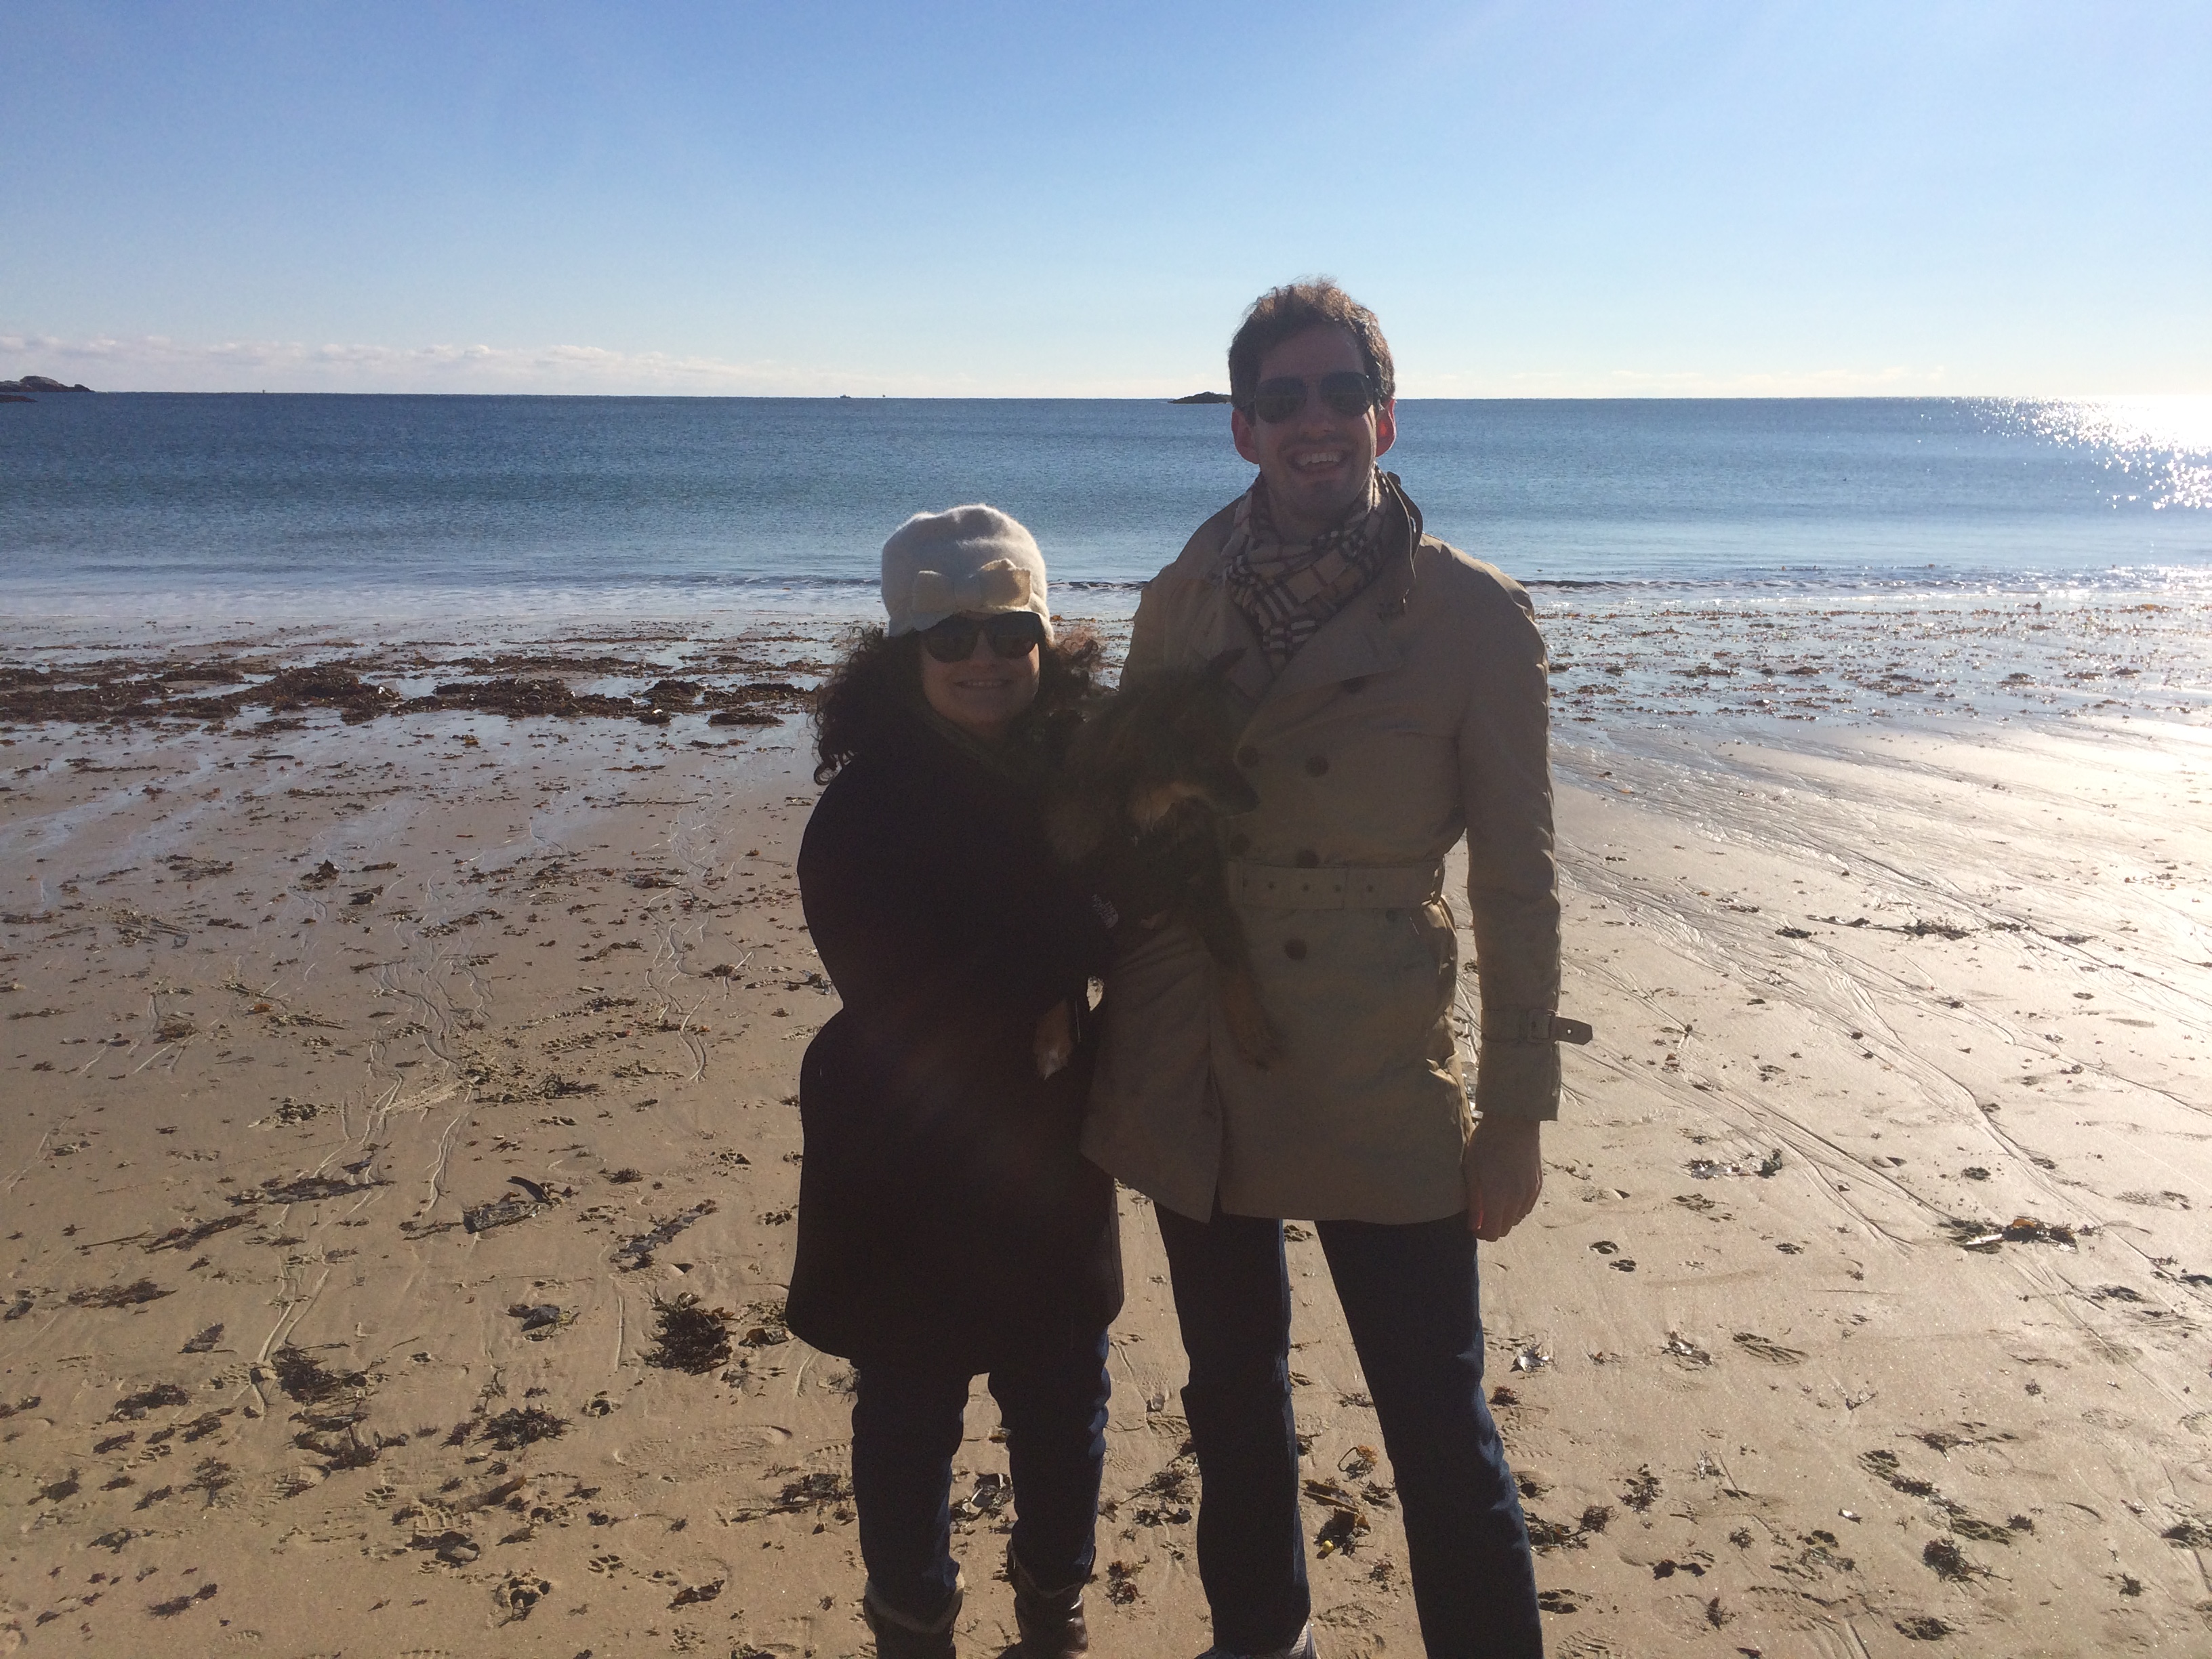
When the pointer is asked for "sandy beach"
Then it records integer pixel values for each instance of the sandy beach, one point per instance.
(400, 1145)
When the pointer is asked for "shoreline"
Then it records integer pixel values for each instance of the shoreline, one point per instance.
(1620, 664)
(287, 1013)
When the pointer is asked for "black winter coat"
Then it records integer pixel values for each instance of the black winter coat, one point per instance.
(945, 1213)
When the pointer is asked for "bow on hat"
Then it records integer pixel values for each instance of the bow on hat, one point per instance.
(998, 586)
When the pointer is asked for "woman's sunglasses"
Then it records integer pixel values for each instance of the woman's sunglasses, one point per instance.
(1347, 393)
(1012, 634)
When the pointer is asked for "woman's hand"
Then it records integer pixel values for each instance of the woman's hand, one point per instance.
(1053, 1046)
(1504, 1171)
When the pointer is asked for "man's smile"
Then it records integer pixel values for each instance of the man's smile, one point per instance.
(1317, 459)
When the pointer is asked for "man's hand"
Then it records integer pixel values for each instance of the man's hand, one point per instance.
(1504, 1171)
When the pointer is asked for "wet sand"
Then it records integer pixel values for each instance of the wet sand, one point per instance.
(392, 1106)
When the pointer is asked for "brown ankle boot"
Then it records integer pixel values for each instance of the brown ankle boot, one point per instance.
(899, 1636)
(1050, 1621)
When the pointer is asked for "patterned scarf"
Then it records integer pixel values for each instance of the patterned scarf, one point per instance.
(1287, 590)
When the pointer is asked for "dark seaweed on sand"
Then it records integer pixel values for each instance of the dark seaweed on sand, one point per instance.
(503, 1212)
(517, 1427)
(1545, 1536)
(635, 1253)
(183, 1239)
(303, 1378)
(118, 1296)
(769, 1330)
(1641, 1491)
(131, 1408)
(212, 1475)
(690, 1337)
(102, 694)
(809, 1492)
(514, 697)
(177, 1604)
(1949, 1561)
(303, 1189)
(1987, 1235)
(1883, 1465)
(334, 1433)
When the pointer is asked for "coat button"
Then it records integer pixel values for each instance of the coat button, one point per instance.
(1318, 766)
(1247, 757)
(1295, 949)
(1239, 845)
(1307, 859)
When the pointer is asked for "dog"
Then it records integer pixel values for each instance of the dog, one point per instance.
(1134, 810)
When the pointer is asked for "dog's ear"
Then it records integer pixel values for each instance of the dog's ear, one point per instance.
(1218, 669)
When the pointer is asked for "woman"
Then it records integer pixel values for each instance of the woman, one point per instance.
(947, 1224)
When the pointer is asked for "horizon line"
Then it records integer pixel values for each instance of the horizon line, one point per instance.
(1187, 399)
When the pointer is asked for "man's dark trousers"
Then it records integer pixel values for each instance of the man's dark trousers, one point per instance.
(1410, 1295)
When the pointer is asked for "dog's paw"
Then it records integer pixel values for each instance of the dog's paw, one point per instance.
(1053, 1045)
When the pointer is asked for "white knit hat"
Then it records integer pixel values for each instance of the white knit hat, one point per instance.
(972, 558)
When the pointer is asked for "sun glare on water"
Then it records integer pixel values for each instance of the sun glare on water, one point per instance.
(2166, 441)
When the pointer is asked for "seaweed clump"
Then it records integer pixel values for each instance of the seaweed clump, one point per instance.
(131, 1408)
(301, 1376)
(517, 1427)
(118, 1296)
(691, 1338)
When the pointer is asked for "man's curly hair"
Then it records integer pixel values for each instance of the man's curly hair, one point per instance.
(1284, 313)
(873, 696)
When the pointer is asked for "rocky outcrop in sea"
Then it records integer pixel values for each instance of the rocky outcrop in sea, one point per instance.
(30, 384)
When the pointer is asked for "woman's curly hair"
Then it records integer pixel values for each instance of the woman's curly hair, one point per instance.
(873, 695)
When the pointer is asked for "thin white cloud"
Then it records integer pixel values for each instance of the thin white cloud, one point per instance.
(158, 363)
(1807, 383)
(1893, 382)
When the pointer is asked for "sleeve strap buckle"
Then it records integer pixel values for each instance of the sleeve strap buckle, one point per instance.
(1533, 1025)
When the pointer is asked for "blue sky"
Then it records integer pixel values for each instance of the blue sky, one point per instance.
(1538, 198)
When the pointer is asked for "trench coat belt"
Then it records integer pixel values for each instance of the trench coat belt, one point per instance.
(1333, 886)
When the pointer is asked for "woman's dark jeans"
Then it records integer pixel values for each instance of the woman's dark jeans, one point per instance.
(906, 1429)
(1410, 1297)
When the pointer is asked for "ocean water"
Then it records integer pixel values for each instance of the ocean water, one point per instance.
(275, 509)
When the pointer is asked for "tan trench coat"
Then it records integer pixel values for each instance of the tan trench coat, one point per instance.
(1415, 715)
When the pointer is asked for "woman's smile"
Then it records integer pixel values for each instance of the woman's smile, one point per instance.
(983, 693)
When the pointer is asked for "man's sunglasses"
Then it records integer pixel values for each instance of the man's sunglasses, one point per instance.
(1345, 390)
(1011, 634)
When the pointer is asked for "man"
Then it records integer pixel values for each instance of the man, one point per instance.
(1393, 694)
